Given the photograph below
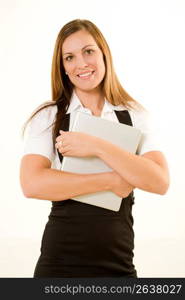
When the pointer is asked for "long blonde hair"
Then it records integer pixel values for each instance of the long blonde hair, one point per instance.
(62, 87)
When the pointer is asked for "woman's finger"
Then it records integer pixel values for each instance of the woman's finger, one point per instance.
(63, 149)
(59, 138)
(60, 143)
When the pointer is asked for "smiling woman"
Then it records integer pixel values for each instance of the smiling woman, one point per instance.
(83, 79)
(83, 61)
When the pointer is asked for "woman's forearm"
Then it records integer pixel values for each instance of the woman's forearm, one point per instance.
(55, 185)
(137, 170)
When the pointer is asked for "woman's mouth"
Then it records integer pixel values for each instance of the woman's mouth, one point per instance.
(85, 75)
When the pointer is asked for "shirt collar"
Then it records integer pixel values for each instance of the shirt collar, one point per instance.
(76, 104)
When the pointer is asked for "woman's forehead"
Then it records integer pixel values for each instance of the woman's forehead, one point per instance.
(77, 41)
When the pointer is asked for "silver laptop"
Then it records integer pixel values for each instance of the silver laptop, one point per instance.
(124, 136)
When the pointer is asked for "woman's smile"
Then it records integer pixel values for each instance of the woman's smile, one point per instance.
(86, 75)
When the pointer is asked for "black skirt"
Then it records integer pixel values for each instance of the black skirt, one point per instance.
(82, 240)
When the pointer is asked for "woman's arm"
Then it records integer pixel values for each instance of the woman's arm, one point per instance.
(148, 172)
(39, 181)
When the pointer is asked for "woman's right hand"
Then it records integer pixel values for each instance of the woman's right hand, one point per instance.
(120, 186)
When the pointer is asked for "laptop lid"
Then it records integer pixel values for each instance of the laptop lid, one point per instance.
(124, 136)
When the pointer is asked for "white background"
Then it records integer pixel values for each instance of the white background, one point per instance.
(147, 42)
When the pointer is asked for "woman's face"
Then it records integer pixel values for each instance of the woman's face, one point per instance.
(83, 61)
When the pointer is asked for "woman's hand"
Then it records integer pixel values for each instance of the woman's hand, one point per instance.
(119, 186)
(77, 144)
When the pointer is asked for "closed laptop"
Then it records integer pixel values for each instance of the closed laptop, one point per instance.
(124, 136)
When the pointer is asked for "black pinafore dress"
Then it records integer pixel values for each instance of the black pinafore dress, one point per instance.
(82, 240)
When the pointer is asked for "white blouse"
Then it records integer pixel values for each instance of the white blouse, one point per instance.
(39, 141)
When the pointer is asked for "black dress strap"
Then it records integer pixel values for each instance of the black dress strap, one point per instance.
(124, 117)
(65, 127)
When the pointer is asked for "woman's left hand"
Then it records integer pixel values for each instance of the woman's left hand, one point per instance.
(77, 144)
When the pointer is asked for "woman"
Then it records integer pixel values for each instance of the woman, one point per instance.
(82, 240)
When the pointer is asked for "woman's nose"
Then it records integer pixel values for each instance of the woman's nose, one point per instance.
(81, 62)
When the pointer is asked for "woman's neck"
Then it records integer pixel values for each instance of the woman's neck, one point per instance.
(93, 100)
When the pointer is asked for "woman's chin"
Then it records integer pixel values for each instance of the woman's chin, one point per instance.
(87, 88)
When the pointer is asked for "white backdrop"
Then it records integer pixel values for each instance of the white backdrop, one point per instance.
(147, 42)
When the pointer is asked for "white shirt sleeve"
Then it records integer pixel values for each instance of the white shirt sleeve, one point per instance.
(38, 137)
(144, 121)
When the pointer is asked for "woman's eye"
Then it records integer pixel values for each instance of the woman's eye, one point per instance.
(89, 51)
(68, 58)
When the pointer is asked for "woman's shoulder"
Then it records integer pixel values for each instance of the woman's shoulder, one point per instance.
(44, 116)
(143, 119)
(42, 119)
(46, 112)
(138, 113)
